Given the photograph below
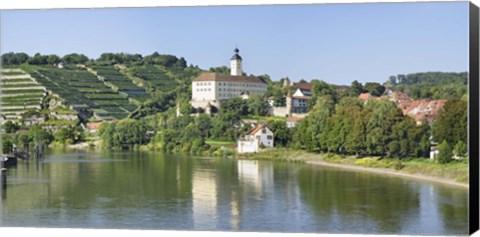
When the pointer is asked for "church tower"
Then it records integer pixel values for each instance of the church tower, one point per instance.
(236, 64)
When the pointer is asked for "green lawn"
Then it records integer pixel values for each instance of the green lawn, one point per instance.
(219, 143)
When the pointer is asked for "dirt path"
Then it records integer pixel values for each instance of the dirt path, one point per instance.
(389, 172)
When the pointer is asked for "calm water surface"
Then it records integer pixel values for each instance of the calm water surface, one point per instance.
(158, 191)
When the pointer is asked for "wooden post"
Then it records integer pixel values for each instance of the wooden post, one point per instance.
(3, 177)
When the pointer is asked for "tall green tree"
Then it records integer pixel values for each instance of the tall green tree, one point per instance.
(444, 152)
(452, 122)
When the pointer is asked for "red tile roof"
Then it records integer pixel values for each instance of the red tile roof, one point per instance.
(256, 129)
(211, 76)
(364, 96)
(294, 119)
(422, 109)
(303, 86)
(93, 125)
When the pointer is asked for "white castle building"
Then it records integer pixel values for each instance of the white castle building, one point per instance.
(212, 88)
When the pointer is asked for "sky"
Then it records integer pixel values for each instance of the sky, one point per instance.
(337, 43)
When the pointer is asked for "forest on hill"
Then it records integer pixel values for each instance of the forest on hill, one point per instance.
(432, 85)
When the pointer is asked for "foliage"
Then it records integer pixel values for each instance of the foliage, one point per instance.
(14, 58)
(258, 105)
(124, 134)
(40, 136)
(11, 127)
(282, 134)
(452, 123)
(434, 85)
(445, 153)
(319, 89)
(74, 58)
(374, 88)
(460, 149)
(70, 135)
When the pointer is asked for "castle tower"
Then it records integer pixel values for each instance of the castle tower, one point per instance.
(289, 103)
(236, 64)
(208, 109)
(286, 82)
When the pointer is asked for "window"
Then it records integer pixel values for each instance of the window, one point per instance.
(269, 137)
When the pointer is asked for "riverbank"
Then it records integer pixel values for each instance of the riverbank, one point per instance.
(455, 173)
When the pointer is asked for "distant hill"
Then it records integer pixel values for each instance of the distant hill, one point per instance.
(432, 85)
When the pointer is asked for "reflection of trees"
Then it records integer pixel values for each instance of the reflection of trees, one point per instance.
(156, 184)
(359, 198)
(454, 209)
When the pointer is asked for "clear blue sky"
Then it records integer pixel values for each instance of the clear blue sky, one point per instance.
(337, 43)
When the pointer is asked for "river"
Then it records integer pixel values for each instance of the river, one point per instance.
(142, 190)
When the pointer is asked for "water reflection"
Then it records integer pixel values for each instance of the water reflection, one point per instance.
(376, 203)
(158, 191)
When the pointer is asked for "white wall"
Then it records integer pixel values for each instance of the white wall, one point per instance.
(235, 67)
(247, 146)
(203, 90)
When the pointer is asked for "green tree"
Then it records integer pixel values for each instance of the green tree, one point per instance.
(282, 135)
(356, 88)
(53, 59)
(374, 88)
(7, 145)
(40, 136)
(312, 129)
(10, 127)
(257, 105)
(235, 105)
(385, 114)
(460, 149)
(321, 88)
(444, 152)
(452, 122)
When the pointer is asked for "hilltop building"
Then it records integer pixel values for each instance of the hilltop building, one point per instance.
(212, 88)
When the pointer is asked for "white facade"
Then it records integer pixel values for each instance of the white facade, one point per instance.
(215, 90)
(236, 67)
(253, 140)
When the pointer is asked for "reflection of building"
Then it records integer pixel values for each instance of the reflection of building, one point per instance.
(204, 195)
(259, 136)
(251, 172)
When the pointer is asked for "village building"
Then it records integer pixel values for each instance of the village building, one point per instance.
(295, 105)
(216, 88)
(92, 127)
(420, 110)
(292, 121)
(256, 138)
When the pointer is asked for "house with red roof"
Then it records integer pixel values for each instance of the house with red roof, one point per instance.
(256, 138)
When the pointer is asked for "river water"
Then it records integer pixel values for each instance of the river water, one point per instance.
(158, 191)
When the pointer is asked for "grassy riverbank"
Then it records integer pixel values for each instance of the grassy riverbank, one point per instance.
(455, 172)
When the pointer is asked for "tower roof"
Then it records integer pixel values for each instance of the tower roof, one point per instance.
(236, 56)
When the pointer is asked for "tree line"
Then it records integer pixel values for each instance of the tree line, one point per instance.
(155, 58)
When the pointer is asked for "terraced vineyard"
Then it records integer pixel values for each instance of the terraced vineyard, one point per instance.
(80, 88)
(156, 77)
(19, 93)
(121, 83)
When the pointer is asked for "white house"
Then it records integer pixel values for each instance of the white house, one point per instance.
(215, 88)
(255, 138)
(293, 121)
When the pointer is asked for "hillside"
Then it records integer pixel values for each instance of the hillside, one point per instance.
(111, 87)
(19, 93)
(432, 85)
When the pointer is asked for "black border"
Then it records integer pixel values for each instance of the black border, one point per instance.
(474, 120)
